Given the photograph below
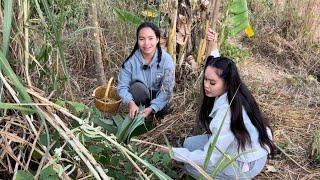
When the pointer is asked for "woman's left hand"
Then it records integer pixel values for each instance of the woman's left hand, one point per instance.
(147, 111)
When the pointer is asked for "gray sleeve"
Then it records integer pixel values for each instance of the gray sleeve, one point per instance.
(124, 80)
(166, 90)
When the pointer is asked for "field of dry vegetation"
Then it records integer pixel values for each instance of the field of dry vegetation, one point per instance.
(55, 53)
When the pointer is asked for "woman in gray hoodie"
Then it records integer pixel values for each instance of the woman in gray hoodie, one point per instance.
(147, 76)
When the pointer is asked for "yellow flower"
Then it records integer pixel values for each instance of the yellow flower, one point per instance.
(249, 31)
(148, 13)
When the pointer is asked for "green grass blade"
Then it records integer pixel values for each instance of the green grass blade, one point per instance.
(5, 66)
(6, 26)
(16, 107)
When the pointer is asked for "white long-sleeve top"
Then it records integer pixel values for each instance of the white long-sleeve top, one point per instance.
(226, 140)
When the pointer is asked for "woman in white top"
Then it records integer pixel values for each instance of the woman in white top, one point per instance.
(244, 130)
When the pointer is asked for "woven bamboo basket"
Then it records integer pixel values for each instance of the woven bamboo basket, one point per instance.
(106, 98)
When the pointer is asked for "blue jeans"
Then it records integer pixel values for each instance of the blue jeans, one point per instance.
(198, 142)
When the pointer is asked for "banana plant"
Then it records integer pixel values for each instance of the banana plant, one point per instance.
(237, 11)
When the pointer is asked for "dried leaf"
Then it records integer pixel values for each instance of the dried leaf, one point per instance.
(271, 169)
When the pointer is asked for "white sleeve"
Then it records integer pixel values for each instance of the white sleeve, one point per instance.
(215, 53)
(224, 140)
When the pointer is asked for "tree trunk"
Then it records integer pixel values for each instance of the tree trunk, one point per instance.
(96, 44)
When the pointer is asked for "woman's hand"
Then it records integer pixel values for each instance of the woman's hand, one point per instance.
(133, 109)
(147, 111)
(163, 149)
(212, 36)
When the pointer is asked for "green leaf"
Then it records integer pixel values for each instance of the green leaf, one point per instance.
(123, 128)
(128, 167)
(77, 107)
(239, 16)
(115, 160)
(49, 174)
(138, 121)
(21, 175)
(36, 155)
(118, 119)
(127, 16)
(60, 102)
(107, 124)
(104, 159)
(95, 149)
(156, 157)
(240, 22)
(44, 139)
(238, 6)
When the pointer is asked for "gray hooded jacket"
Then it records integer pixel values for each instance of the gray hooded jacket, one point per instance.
(160, 79)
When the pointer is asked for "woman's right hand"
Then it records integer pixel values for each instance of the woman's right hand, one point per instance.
(212, 36)
(133, 109)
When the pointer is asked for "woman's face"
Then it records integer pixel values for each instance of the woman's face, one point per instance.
(213, 85)
(147, 41)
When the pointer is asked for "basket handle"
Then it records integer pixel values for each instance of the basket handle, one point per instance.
(105, 98)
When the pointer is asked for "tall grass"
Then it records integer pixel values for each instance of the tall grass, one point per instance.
(5, 34)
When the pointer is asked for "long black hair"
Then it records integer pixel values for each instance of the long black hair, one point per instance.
(136, 46)
(242, 98)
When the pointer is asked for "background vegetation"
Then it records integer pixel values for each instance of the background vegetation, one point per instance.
(55, 53)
